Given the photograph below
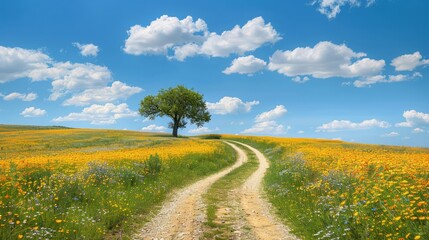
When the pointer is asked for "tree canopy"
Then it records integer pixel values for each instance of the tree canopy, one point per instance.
(180, 104)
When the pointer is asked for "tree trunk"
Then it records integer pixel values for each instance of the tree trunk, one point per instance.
(175, 128)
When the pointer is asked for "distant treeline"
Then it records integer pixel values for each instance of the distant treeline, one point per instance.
(7, 127)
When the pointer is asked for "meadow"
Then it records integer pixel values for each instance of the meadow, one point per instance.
(335, 190)
(61, 183)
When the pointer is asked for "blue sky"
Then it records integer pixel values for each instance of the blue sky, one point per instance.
(354, 70)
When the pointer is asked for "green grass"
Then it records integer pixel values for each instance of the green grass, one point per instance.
(289, 207)
(105, 201)
(317, 206)
(178, 173)
(216, 197)
(282, 184)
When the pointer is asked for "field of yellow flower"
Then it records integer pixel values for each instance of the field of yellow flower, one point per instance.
(336, 190)
(78, 147)
(60, 183)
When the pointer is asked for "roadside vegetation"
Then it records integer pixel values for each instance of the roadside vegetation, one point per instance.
(335, 190)
(60, 183)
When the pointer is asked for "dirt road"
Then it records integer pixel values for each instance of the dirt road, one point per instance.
(263, 224)
(183, 215)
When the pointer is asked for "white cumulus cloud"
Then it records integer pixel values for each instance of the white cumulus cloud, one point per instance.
(22, 96)
(154, 128)
(265, 122)
(87, 82)
(277, 112)
(268, 127)
(33, 112)
(100, 114)
(408, 62)
(331, 8)
(179, 39)
(418, 130)
(240, 40)
(246, 65)
(18, 63)
(324, 60)
(202, 130)
(118, 91)
(185, 51)
(228, 105)
(163, 34)
(87, 49)
(370, 80)
(338, 125)
(391, 134)
(299, 79)
(414, 118)
(73, 77)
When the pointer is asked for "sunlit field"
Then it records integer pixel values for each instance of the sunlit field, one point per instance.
(59, 183)
(336, 190)
(74, 149)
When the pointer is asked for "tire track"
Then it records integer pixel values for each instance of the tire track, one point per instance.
(257, 210)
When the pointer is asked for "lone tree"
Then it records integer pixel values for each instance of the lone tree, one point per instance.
(180, 104)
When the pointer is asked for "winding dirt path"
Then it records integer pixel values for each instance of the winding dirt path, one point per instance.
(182, 216)
(263, 224)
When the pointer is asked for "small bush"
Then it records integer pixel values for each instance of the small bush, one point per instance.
(153, 165)
(129, 176)
(99, 172)
(211, 136)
